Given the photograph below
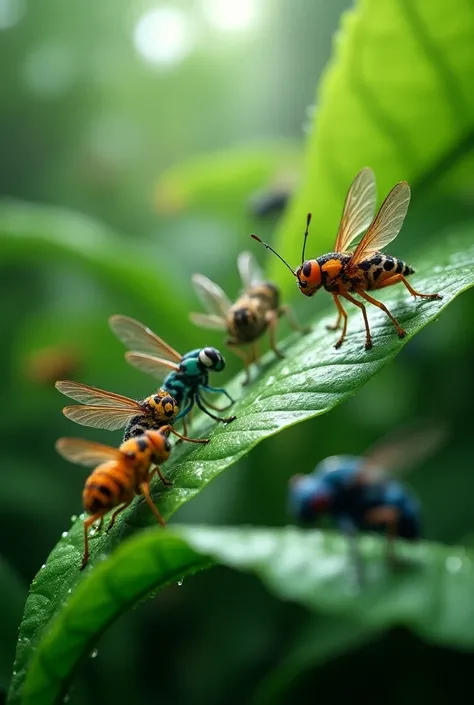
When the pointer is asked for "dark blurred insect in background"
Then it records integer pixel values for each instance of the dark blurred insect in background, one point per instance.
(257, 310)
(120, 474)
(111, 411)
(360, 493)
(344, 273)
(43, 367)
(185, 376)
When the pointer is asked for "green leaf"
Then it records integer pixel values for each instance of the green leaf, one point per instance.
(431, 592)
(397, 96)
(311, 380)
(39, 233)
(12, 600)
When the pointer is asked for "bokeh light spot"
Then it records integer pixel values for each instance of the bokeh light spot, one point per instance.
(163, 36)
(231, 15)
(11, 12)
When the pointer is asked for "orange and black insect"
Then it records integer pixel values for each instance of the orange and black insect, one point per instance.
(257, 310)
(119, 474)
(113, 411)
(343, 272)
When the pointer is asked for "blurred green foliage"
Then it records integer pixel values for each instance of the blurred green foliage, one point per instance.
(88, 125)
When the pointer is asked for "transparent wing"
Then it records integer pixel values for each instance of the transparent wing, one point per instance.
(249, 270)
(212, 297)
(359, 209)
(154, 366)
(386, 225)
(100, 416)
(208, 320)
(86, 453)
(96, 397)
(136, 336)
(402, 450)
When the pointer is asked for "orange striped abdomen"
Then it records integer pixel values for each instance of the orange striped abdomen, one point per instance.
(375, 271)
(108, 486)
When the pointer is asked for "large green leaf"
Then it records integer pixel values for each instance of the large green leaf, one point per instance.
(311, 380)
(12, 600)
(396, 96)
(431, 593)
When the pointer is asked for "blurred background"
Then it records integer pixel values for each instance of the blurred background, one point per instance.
(141, 142)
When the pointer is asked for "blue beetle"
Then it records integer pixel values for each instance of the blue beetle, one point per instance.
(359, 493)
(185, 376)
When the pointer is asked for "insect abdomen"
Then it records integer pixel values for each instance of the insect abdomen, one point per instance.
(138, 425)
(381, 267)
(106, 487)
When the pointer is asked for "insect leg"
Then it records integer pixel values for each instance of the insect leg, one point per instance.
(247, 359)
(157, 471)
(292, 320)
(146, 493)
(272, 319)
(400, 278)
(347, 526)
(371, 300)
(368, 337)
(341, 314)
(98, 528)
(218, 390)
(390, 517)
(186, 410)
(200, 404)
(87, 524)
(117, 512)
(186, 438)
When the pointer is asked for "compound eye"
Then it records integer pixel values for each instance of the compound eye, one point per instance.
(209, 357)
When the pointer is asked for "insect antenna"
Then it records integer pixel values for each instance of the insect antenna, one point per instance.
(255, 237)
(308, 221)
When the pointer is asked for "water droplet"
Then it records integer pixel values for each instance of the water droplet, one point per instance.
(285, 370)
(66, 699)
(69, 591)
(180, 582)
(64, 534)
(14, 673)
(73, 518)
(270, 380)
(43, 566)
(453, 564)
(94, 653)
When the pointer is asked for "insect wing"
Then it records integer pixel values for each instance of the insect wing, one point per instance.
(386, 225)
(208, 320)
(85, 452)
(96, 397)
(398, 453)
(154, 366)
(358, 211)
(212, 297)
(249, 271)
(104, 417)
(137, 337)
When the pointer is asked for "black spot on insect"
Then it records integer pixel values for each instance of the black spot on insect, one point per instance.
(376, 273)
(400, 266)
(167, 445)
(142, 444)
(388, 265)
(96, 505)
(365, 266)
(169, 410)
(241, 317)
(106, 491)
(408, 270)
(130, 455)
(156, 399)
(377, 259)
(307, 268)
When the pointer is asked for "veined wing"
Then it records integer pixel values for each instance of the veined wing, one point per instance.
(85, 452)
(96, 397)
(101, 416)
(137, 337)
(402, 450)
(358, 211)
(208, 320)
(212, 297)
(386, 225)
(249, 270)
(151, 365)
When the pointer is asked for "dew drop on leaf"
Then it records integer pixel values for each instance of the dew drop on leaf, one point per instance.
(94, 653)
(180, 582)
(73, 518)
(64, 534)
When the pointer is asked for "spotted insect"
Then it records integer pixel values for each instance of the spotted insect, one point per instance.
(344, 273)
(257, 310)
(111, 411)
(118, 476)
(185, 376)
(360, 492)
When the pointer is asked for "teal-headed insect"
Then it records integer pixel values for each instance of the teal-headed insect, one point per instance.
(186, 377)
(257, 310)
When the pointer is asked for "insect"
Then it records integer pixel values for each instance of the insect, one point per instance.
(344, 273)
(360, 492)
(118, 475)
(44, 366)
(185, 376)
(113, 411)
(256, 310)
